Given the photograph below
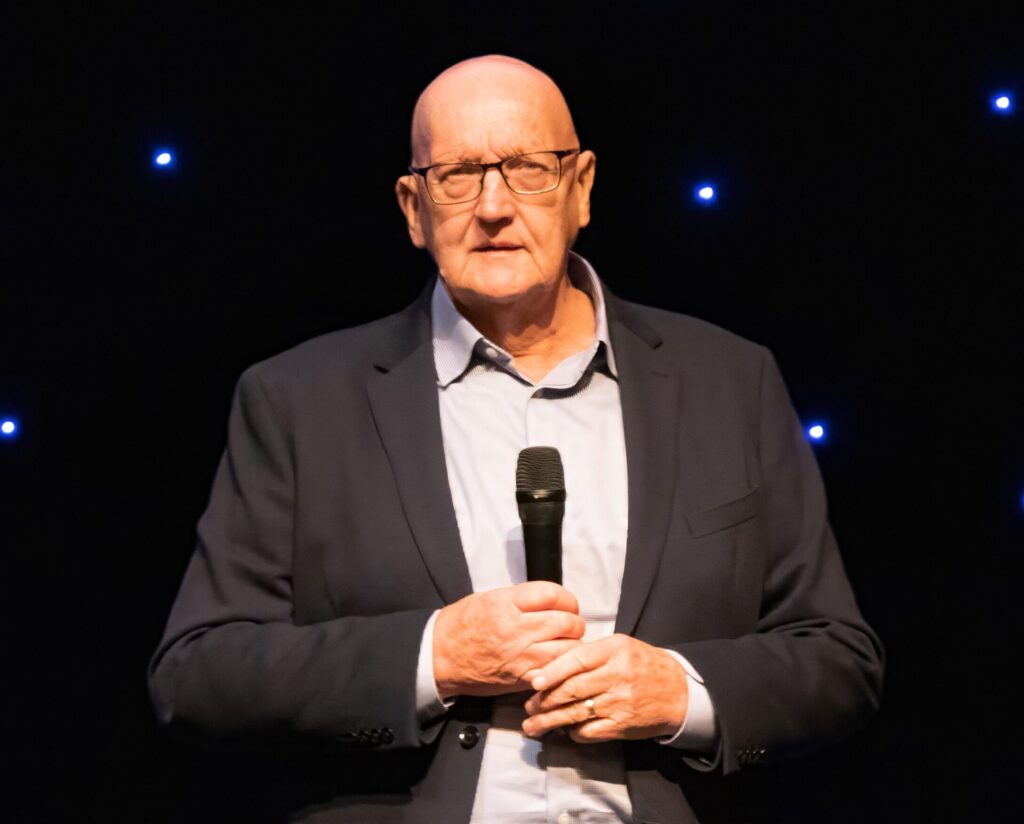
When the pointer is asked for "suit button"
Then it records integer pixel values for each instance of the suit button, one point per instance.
(468, 736)
(386, 736)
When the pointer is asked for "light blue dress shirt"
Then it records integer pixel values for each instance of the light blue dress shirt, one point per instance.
(489, 412)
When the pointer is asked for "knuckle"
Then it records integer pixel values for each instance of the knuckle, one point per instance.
(546, 590)
(557, 698)
(554, 624)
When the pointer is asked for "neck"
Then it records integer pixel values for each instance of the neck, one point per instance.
(538, 329)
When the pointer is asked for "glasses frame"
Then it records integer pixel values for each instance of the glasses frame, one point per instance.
(500, 166)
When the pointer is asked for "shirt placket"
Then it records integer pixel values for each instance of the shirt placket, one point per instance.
(563, 787)
(561, 759)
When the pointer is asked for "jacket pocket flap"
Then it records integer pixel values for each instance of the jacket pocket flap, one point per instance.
(706, 521)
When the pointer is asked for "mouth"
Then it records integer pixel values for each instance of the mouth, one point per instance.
(497, 248)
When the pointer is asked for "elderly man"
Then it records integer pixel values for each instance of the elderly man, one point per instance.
(358, 595)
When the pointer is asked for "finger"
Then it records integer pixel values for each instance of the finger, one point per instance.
(592, 732)
(537, 595)
(578, 688)
(537, 725)
(541, 653)
(583, 658)
(549, 624)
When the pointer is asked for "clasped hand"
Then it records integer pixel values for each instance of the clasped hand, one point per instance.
(486, 643)
(528, 637)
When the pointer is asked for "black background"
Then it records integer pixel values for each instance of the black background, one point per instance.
(868, 231)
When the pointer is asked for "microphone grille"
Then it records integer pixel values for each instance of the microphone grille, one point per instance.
(539, 467)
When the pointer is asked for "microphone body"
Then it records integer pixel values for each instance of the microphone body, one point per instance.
(540, 494)
(541, 512)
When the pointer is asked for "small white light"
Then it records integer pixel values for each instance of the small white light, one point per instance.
(705, 193)
(1002, 103)
(8, 427)
(817, 432)
(163, 158)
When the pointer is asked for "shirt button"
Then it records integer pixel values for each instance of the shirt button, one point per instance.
(564, 817)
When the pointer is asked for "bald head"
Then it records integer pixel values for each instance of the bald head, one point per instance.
(466, 101)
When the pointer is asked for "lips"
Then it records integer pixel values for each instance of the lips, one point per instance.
(497, 247)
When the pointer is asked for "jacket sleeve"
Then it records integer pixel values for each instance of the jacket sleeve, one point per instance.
(233, 662)
(811, 673)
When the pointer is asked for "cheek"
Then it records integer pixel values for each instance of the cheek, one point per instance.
(446, 236)
(441, 242)
(552, 226)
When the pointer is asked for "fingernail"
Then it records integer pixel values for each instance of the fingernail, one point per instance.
(539, 682)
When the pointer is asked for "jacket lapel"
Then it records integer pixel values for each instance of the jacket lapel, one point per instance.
(650, 409)
(403, 398)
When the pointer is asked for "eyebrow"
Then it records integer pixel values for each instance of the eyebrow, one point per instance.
(513, 152)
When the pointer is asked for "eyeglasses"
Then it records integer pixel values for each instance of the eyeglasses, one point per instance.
(527, 174)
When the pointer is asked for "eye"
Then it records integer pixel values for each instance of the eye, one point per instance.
(455, 171)
(524, 164)
(540, 162)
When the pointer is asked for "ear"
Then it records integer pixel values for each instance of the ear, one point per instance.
(586, 164)
(408, 194)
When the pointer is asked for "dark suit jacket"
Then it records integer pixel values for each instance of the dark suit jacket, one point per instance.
(330, 538)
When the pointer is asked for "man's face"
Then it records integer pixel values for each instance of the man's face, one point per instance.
(502, 245)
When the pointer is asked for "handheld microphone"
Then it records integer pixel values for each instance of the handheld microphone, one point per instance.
(540, 493)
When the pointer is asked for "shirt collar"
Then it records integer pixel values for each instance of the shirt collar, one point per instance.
(455, 338)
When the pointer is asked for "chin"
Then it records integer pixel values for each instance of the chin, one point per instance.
(495, 283)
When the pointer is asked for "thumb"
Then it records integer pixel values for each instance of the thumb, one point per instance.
(534, 596)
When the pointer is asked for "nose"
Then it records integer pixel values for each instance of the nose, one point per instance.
(495, 202)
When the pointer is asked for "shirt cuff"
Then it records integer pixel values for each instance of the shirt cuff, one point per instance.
(429, 704)
(698, 732)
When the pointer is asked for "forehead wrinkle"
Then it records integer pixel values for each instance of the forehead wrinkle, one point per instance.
(478, 157)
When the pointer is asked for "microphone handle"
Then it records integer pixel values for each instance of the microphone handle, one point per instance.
(542, 539)
(543, 552)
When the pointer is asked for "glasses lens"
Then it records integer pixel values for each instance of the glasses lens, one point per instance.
(532, 173)
(454, 182)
